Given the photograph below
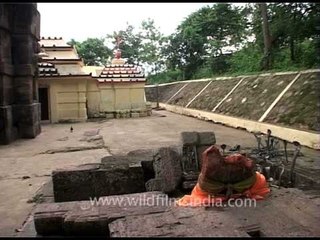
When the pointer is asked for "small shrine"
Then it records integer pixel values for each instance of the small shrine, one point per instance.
(122, 88)
(70, 91)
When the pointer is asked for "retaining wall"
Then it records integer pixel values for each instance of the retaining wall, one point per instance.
(289, 100)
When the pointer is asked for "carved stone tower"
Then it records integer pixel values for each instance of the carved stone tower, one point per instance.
(19, 48)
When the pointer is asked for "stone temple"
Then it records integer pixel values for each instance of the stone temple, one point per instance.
(19, 48)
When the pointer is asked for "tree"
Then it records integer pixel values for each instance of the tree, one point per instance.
(203, 36)
(267, 58)
(141, 46)
(291, 26)
(93, 51)
(152, 42)
(131, 45)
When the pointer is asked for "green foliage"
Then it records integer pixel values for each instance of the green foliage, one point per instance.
(142, 46)
(131, 45)
(203, 72)
(246, 60)
(197, 49)
(92, 51)
(201, 37)
(307, 53)
(168, 76)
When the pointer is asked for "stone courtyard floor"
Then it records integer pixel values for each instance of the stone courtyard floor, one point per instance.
(26, 165)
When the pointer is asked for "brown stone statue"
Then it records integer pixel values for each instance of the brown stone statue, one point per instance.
(117, 53)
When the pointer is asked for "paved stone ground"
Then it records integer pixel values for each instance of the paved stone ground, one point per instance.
(26, 165)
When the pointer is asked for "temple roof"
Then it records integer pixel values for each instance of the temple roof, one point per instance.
(47, 69)
(53, 42)
(121, 73)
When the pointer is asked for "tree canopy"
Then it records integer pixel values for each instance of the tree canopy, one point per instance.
(93, 51)
(217, 40)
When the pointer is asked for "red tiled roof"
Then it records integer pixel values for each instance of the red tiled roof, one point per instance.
(121, 73)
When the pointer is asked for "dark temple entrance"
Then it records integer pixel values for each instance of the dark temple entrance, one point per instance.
(44, 100)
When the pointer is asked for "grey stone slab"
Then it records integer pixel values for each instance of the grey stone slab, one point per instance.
(154, 185)
(94, 180)
(207, 138)
(92, 218)
(167, 167)
(189, 138)
(178, 222)
(285, 213)
(91, 133)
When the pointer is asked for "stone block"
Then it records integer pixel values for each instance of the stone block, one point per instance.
(27, 118)
(24, 53)
(87, 218)
(200, 150)
(143, 114)
(154, 185)
(144, 154)
(6, 90)
(23, 89)
(178, 222)
(109, 115)
(26, 20)
(24, 70)
(207, 138)
(135, 115)
(119, 160)
(145, 157)
(72, 184)
(5, 10)
(6, 68)
(91, 133)
(5, 46)
(29, 131)
(189, 138)
(115, 175)
(7, 132)
(119, 181)
(167, 168)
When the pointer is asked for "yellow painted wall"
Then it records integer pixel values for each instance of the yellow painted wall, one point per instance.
(93, 96)
(108, 97)
(69, 98)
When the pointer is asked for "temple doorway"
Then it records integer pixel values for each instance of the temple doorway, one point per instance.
(44, 100)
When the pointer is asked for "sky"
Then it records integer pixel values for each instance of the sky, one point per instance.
(83, 20)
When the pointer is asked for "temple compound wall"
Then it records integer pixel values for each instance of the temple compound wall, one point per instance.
(19, 105)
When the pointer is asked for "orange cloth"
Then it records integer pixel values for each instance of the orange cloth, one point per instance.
(198, 197)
